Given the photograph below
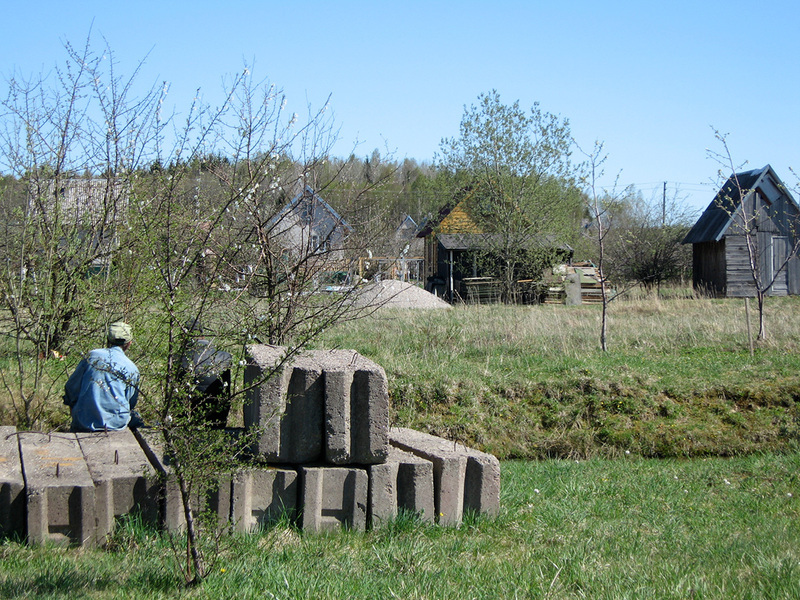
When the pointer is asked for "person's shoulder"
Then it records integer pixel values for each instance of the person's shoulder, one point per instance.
(97, 353)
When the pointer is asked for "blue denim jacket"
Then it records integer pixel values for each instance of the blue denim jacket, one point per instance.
(102, 391)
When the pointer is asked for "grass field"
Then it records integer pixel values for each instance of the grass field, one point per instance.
(531, 382)
(667, 467)
(623, 528)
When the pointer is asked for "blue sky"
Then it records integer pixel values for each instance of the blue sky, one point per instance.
(650, 80)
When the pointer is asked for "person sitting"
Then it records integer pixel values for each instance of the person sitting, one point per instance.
(104, 389)
(208, 371)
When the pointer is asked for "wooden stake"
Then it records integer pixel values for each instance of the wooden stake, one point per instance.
(747, 318)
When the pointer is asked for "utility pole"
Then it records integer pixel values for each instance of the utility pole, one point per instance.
(664, 206)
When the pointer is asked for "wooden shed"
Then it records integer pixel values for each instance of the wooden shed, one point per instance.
(752, 206)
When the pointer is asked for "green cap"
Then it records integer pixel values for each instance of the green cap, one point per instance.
(120, 332)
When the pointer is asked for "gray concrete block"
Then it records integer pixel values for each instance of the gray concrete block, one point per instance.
(356, 408)
(266, 381)
(217, 500)
(333, 497)
(262, 496)
(124, 480)
(449, 471)
(572, 286)
(60, 490)
(320, 404)
(482, 483)
(12, 485)
(415, 487)
(404, 481)
(285, 403)
(382, 506)
(464, 478)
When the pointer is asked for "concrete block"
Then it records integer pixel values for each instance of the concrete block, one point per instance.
(449, 471)
(415, 487)
(60, 490)
(572, 286)
(333, 497)
(12, 485)
(404, 481)
(262, 496)
(172, 512)
(482, 483)
(356, 408)
(124, 480)
(286, 403)
(320, 404)
(382, 506)
(464, 478)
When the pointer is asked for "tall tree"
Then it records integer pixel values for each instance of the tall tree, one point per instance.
(522, 195)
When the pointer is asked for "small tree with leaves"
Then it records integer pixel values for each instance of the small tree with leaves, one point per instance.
(516, 167)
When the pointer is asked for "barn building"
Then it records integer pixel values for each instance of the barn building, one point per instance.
(752, 216)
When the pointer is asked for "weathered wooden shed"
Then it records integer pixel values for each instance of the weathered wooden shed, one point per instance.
(752, 206)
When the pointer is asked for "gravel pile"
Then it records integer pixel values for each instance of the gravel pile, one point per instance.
(397, 294)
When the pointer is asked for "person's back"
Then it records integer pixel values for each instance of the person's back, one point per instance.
(103, 390)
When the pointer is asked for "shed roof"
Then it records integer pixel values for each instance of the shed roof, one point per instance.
(715, 220)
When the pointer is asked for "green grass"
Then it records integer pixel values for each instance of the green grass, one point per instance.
(624, 528)
(531, 382)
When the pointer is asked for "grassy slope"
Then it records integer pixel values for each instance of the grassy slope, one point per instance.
(530, 382)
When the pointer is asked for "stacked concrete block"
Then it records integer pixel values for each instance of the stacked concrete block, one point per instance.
(262, 496)
(403, 482)
(285, 403)
(12, 485)
(172, 511)
(327, 457)
(330, 406)
(356, 409)
(333, 497)
(464, 478)
(382, 506)
(59, 487)
(124, 480)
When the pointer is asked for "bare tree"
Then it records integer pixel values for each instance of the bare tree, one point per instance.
(601, 205)
(183, 221)
(645, 244)
(70, 145)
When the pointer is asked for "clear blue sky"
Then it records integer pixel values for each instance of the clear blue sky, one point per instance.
(648, 79)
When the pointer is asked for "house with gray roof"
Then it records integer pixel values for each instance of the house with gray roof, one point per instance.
(308, 225)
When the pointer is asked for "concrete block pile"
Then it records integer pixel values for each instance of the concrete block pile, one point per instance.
(326, 414)
(326, 458)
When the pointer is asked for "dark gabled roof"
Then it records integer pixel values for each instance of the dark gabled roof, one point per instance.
(431, 224)
(715, 220)
(306, 201)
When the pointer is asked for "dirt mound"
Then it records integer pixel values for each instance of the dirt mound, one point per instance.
(397, 294)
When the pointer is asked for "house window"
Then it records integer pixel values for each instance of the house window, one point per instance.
(318, 244)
